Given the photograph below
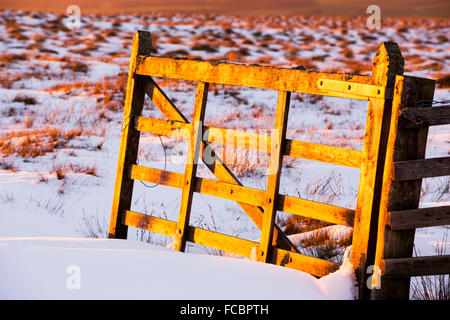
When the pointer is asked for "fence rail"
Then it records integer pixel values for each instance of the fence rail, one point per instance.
(292, 148)
(294, 205)
(421, 168)
(424, 117)
(417, 266)
(388, 187)
(418, 218)
(238, 246)
(271, 78)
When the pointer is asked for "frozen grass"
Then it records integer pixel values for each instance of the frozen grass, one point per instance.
(322, 244)
(94, 226)
(435, 287)
(35, 143)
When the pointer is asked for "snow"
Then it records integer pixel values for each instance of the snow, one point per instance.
(45, 268)
(336, 284)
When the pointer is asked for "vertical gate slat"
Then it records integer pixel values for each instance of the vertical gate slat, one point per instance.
(195, 145)
(273, 180)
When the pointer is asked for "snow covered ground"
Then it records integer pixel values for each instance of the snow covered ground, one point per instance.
(77, 268)
(61, 99)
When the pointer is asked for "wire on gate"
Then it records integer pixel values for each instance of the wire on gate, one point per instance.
(124, 126)
(165, 164)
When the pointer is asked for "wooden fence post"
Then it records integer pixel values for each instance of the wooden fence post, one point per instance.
(388, 63)
(129, 141)
(403, 144)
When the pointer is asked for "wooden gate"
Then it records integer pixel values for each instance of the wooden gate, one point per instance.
(261, 206)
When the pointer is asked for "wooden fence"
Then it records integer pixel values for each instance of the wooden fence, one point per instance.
(386, 92)
(404, 169)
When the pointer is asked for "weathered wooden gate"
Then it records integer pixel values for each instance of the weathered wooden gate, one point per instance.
(381, 89)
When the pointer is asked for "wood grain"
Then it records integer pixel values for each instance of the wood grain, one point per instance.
(421, 168)
(245, 195)
(388, 63)
(191, 165)
(417, 266)
(314, 266)
(403, 145)
(273, 180)
(418, 218)
(424, 117)
(279, 79)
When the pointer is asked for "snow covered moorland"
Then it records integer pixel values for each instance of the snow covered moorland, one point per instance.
(61, 99)
(48, 268)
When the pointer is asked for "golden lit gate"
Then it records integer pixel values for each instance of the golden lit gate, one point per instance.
(260, 205)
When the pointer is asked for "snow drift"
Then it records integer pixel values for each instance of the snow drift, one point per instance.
(78, 268)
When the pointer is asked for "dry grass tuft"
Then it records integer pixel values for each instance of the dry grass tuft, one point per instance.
(322, 244)
(93, 226)
(244, 162)
(112, 92)
(25, 99)
(444, 81)
(11, 57)
(60, 171)
(36, 143)
(204, 47)
(432, 287)
(6, 164)
(294, 224)
(84, 169)
(76, 66)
